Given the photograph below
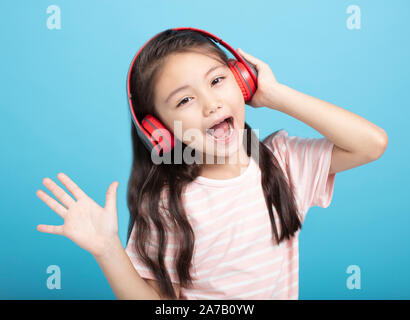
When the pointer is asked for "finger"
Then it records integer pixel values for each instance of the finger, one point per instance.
(111, 197)
(53, 204)
(50, 229)
(71, 186)
(249, 58)
(61, 195)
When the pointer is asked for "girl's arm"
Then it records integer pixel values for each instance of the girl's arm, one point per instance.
(124, 280)
(356, 140)
(95, 229)
(345, 129)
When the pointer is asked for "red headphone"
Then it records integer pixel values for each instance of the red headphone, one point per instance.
(153, 133)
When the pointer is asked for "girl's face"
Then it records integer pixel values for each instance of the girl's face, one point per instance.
(197, 90)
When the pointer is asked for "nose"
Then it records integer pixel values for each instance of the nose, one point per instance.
(211, 106)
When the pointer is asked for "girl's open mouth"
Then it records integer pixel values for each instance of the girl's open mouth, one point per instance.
(222, 132)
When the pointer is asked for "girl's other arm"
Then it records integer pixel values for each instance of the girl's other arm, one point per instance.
(95, 229)
(124, 280)
(356, 140)
(345, 129)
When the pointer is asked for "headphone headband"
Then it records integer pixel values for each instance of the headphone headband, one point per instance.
(227, 46)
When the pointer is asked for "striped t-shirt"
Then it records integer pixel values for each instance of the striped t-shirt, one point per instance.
(234, 257)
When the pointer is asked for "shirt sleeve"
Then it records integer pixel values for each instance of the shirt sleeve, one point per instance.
(307, 162)
(152, 245)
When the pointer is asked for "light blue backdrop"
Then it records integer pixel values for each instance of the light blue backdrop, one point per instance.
(64, 109)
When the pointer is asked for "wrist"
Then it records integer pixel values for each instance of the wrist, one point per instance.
(110, 248)
(275, 96)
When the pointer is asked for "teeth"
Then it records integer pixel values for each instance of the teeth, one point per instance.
(210, 131)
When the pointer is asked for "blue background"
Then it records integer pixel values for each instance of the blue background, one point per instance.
(64, 109)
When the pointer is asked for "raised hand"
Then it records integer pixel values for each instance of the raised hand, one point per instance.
(265, 94)
(87, 224)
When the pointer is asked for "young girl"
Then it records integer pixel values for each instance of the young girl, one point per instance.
(221, 229)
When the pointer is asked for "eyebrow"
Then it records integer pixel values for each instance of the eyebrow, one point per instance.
(187, 86)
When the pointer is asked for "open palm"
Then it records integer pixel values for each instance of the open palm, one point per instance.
(86, 223)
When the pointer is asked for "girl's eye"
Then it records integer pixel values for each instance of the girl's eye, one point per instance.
(217, 79)
(183, 101)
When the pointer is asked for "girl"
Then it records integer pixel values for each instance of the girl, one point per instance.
(221, 229)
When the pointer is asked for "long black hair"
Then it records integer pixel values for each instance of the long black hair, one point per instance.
(150, 183)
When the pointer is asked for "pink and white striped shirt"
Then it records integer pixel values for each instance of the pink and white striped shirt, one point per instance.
(234, 257)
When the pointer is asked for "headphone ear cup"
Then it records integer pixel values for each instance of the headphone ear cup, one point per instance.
(243, 78)
(158, 134)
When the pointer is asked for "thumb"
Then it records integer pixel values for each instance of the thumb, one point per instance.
(111, 197)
